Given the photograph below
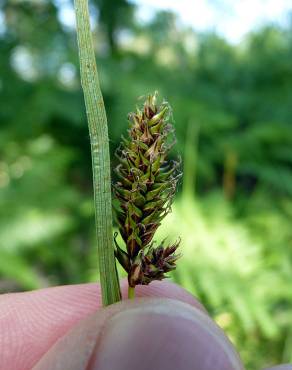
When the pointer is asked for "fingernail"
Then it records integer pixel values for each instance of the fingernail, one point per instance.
(164, 336)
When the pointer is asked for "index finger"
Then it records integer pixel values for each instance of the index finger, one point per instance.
(32, 322)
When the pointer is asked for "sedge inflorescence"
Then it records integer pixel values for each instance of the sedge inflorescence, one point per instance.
(145, 188)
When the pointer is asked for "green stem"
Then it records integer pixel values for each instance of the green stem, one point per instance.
(97, 123)
(131, 292)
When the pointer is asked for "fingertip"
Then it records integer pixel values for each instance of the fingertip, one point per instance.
(167, 289)
(164, 289)
(47, 314)
(144, 333)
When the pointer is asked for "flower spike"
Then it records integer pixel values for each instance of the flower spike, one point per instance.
(145, 187)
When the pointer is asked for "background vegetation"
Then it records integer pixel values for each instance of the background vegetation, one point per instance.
(232, 111)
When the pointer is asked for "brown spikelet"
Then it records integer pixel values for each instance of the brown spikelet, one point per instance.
(145, 188)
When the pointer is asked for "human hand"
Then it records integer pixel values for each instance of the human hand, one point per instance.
(65, 328)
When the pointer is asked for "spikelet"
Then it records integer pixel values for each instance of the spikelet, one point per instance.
(145, 188)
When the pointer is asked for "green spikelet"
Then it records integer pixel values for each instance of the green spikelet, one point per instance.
(145, 189)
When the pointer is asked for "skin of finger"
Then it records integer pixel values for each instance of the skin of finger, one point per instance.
(170, 334)
(30, 323)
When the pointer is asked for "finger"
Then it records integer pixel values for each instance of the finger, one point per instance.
(165, 289)
(30, 323)
(147, 333)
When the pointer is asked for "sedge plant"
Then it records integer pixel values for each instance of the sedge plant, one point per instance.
(145, 187)
(146, 183)
(98, 131)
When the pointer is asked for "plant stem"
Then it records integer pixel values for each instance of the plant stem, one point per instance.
(98, 130)
(131, 292)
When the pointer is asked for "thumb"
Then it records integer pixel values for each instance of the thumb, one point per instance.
(142, 334)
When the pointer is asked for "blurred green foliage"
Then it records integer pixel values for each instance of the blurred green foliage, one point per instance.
(232, 112)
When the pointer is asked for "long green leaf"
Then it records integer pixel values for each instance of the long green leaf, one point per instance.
(97, 123)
